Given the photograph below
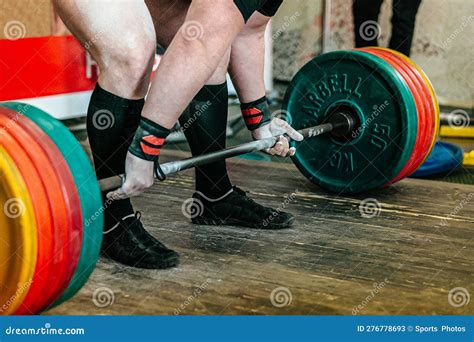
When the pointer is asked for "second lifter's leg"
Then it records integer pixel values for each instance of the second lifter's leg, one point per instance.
(366, 12)
(403, 24)
(122, 41)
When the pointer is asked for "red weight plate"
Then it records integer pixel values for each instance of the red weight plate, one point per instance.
(71, 198)
(434, 101)
(69, 251)
(421, 136)
(430, 110)
(58, 255)
(47, 266)
(40, 210)
(424, 126)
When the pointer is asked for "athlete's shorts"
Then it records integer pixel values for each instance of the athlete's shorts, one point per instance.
(266, 7)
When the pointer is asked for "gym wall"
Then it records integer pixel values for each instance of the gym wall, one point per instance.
(25, 18)
(443, 43)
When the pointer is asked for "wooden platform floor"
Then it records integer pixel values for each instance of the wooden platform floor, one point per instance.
(333, 261)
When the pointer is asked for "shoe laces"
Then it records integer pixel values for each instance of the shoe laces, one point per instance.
(140, 230)
(243, 194)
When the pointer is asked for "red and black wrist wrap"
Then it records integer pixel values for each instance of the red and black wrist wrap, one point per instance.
(148, 140)
(256, 113)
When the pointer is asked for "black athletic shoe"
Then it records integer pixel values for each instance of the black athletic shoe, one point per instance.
(236, 209)
(130, 244)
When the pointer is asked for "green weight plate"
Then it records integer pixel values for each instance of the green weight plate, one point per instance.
(381, 101)
(87, 186)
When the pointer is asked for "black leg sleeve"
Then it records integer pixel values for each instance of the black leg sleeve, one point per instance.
(205, 123)
(111, 125)
(403, 24)
(365, 11)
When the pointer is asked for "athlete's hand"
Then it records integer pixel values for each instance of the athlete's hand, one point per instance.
(139, 176)
(278, 127)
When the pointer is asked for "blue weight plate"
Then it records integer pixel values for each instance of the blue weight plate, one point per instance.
(444, 158)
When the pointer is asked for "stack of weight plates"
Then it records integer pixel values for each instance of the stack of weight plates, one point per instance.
(427, 107)
(52, 222)
(393, 102)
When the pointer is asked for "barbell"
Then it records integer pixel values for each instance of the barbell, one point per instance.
(369, 118)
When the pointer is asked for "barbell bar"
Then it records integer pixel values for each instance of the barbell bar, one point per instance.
(339, 123)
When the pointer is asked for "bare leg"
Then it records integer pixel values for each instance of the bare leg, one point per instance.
(120, 37)
(204, 122)
(248, 59)
(192, 58)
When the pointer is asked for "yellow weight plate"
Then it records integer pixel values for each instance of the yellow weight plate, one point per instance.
(434, 98)
(457, 132)
(18, 241)
(468, 159)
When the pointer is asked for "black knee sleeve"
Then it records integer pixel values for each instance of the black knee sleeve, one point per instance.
(205, 124)
(111, 125)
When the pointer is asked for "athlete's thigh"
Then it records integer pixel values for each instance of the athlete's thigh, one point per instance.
(168, 16)
(105, 26)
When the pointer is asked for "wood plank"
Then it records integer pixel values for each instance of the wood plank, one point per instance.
(333, 261)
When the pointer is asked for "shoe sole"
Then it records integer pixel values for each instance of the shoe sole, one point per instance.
(167, 263)
(233, 222)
